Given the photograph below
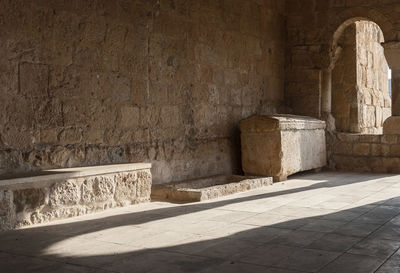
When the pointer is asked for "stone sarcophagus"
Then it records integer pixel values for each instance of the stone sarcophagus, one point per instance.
(281, 145)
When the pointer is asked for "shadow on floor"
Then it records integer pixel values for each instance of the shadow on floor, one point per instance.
(359, 239)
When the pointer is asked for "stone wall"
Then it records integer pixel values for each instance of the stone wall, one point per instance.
(365, 153)
(41, 202)
(360, 88)
(164, 81)
(372, 78)
(345, 102)
(312, 27)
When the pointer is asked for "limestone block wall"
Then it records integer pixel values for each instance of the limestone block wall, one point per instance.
(311, 26)
(345, 95)
(365, 153)
(360, 89)
(161, 81)
(372, 78)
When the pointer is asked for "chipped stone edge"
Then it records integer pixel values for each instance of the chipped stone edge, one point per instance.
(68, 173)
(172, 191)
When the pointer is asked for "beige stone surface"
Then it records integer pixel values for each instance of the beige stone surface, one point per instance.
(7, 214)
(207, 188)
(99, 82)
(365, 153)
(314, 31)
(360, 88)
(46, 197)
(392, 126)
(282, 145)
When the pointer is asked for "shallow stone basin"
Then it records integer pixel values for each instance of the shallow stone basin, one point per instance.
(207, 188)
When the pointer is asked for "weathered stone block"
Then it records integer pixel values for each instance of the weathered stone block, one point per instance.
(70, 136)
(64, 194)
(346, 137)
(391, 126)
(34, 80)
(207, 188)
(389, 139)
(376, 163)
(385, 149)
(47, 113)
(370, 138)
(392, 164)
(143, 189)
(98, 189)
(379, 149)
(282, 145)
(7, 212)
(28, 200)
(125, 188)
(130, 117)
(358, 164)
(361, 149)
(170, 116)
(395, 150)
(344, 148)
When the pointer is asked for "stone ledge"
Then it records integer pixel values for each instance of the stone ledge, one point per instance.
(71, 192)
(208, 188)
(258, 124)
(41, 177)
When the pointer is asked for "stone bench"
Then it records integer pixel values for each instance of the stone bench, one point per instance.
(60, 193)
(281, 145)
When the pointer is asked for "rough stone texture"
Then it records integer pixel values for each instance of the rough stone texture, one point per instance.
(372, 78)
(162, 81)
(7, 211)
(392, 126)
(38, 202)
(143, 189)
(207, 188)
(125, 187)
(313, 32)
(282, 145)
(345, 106)
(360, 88)
(64, 193)
(365, 153)
(97, 189)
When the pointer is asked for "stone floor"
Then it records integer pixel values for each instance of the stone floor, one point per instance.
(326, 222)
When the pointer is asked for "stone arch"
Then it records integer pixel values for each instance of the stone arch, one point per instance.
(332, 34)
(360, 87)
(339, 22)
